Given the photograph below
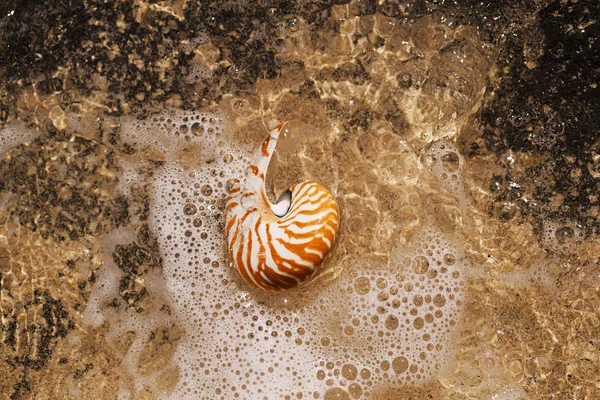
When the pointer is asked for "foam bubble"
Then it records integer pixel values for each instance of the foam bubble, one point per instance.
(15, 134)
(561, 237)
(375, 323)
(104, 306)
(444, 162)
(512, 393)
(281, 351)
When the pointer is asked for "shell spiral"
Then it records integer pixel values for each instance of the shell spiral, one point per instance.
(278, 246)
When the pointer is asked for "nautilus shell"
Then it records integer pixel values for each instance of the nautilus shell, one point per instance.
(278, 246)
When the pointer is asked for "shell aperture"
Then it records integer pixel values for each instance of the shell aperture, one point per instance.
(278, 246)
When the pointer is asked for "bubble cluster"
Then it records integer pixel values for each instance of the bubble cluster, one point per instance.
(179, 155)
(376, 323)
(128, 323)
(561, 237)
(15, 134)
(444, 162)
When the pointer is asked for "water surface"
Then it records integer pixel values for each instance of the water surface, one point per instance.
(459, 138)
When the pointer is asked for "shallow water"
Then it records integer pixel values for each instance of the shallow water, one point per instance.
(460, 142)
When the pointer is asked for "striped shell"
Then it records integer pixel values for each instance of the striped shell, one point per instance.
(278, 246)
